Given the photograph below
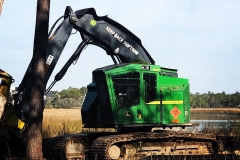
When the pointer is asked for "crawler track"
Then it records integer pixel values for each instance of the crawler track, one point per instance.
(106, 147)
(66, 147)
(134, 146)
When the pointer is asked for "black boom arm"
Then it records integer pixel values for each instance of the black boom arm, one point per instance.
(115, 39)
(111, 36)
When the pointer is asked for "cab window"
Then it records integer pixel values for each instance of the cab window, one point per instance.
(127, 89)
(150, 82)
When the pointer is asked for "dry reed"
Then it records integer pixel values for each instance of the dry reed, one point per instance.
(61, 121)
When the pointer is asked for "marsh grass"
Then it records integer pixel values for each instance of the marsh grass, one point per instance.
(57, 122)
(61, 121)
(232, 130)
(67, 121)
(229, 135)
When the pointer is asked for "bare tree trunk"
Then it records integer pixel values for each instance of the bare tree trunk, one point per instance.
(1, 6)
(34, 135)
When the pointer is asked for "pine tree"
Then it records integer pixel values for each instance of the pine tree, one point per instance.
(34, 135)
(1, 6)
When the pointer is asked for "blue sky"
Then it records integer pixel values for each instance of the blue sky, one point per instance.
(199, 38)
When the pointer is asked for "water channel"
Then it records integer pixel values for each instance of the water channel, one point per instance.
(215, 124)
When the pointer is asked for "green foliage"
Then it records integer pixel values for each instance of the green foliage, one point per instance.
(215, 100)
(70, 93)
(67, 98)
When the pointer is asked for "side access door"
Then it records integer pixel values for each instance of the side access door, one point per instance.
(126, 97)
(151, 105)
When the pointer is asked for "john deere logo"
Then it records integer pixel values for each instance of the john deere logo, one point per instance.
(127, 114)
(93, 22)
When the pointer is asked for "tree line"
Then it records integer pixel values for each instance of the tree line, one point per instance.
(73, 97)
(215, 100)
(67, 98)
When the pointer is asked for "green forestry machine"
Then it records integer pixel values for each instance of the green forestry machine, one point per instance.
(135, 97)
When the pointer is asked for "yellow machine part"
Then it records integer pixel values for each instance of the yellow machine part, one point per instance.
(6, 81)
(3, 101)
(7, 118)
(15, 122)
(5, 84)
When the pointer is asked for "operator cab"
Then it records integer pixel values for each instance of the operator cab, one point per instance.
(136, 95)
